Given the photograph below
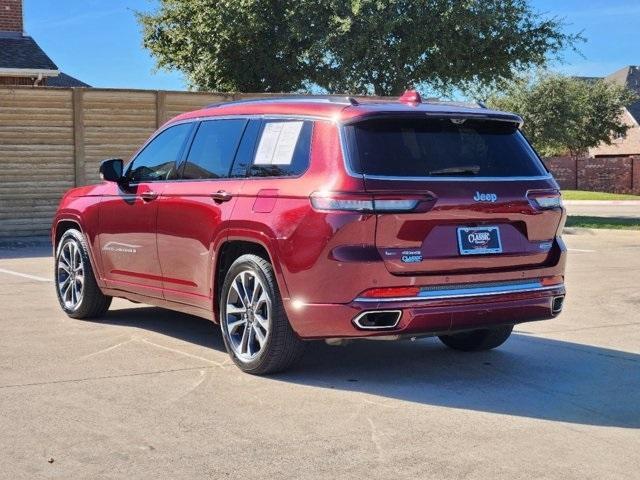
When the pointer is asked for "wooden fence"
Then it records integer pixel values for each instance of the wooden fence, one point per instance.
(52, 139)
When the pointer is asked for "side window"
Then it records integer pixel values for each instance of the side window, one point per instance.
(244, 157)
(158, 159)
(283, 149)
(213, 149)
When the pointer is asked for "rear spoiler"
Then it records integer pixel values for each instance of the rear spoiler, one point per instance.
(481, 114)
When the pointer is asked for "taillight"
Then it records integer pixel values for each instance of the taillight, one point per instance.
(545, 199)
(550, 281)
(391, 292)
(394, 205)
(354, 202)
(322, 202)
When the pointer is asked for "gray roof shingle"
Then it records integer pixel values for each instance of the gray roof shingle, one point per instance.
(629, 77)
(634, 111)
(64, 80)
(22, 52)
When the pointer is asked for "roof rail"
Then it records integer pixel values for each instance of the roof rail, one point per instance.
(453, 103)
(343, 100)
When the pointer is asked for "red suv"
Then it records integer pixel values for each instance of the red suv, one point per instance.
(303, 218)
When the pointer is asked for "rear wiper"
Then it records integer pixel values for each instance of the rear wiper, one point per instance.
(456, 171)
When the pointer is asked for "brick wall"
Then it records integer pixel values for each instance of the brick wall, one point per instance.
(11, 16)
(635, 173)
(564, 171)
(601, 174)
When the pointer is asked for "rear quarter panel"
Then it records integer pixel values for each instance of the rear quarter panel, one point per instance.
(277, 213)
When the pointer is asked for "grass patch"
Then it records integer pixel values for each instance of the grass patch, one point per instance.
(615, 223)
(582, 195)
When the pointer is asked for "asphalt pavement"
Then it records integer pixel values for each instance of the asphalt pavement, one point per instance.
(147, 393)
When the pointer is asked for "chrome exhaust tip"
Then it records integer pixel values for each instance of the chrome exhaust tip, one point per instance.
(556, 304)
(378, 319)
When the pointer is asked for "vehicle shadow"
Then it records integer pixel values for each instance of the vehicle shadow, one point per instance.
(528, 376)
(188, 328)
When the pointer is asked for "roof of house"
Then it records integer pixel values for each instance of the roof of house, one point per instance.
(629, 77)
(634, 111)
(64, 80)
(21, 52)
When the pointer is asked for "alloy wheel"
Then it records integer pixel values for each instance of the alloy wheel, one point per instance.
(70, 273)
(247, 316)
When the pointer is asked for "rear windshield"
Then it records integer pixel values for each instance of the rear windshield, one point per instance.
(440, 147)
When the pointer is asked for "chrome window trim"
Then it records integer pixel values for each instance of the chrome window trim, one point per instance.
(457, 179)
(525, 287)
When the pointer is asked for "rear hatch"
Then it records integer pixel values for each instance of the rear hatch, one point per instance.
(483, 201)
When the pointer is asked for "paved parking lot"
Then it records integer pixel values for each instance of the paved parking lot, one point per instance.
(147, 393)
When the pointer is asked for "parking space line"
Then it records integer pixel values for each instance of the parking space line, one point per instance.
(580, 250)
(105, 350)
(174, 350)
(25, 275)
(106, 377)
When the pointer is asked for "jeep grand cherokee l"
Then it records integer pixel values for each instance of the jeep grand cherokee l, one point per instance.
(286, 220)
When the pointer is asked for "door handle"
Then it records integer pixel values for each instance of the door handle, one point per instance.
(149, 196)
(221, 196)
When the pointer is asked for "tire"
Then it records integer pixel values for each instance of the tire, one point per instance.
(259, 339)
(80, 297)
(477, 340)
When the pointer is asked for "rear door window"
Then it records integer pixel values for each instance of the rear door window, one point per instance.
(213, 149)
(283, 148)
(414, 147)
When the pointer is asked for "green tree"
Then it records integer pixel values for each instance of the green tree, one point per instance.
(564, 114)
(383, 47)
(233, 45)
(352, 46)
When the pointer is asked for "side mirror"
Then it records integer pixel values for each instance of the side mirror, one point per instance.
(111, 170)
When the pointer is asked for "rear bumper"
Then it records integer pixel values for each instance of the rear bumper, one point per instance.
(442, 312)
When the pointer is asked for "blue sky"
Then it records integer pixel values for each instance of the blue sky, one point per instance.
(99, 41)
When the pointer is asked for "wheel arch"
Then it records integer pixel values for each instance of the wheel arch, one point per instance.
(232, 248)
(64, 224)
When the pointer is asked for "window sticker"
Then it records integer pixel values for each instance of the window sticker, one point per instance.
(278, 143)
